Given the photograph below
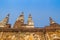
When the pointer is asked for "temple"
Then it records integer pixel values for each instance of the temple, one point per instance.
(27, 31)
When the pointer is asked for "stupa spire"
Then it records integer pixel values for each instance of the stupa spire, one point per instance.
(6, 19)
(21, 17)
(30, 21)
(51, 20)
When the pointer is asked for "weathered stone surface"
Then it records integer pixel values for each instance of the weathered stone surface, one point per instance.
(21, 36)
(30, 35)
(22, 31)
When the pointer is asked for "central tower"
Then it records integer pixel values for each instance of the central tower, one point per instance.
(20, 21)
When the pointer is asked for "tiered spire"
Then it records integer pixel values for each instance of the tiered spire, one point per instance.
(6, 19)
(51, 20)
(21, 17)
(30, 21)
(20, 21)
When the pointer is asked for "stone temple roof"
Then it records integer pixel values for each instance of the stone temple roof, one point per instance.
(22, 27)
(29, 29)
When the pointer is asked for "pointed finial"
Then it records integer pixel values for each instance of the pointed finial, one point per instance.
(30, 16)
(22, 13)
(8, 15)
(51, 20)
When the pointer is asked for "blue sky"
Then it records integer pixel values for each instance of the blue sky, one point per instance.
(40, 10)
